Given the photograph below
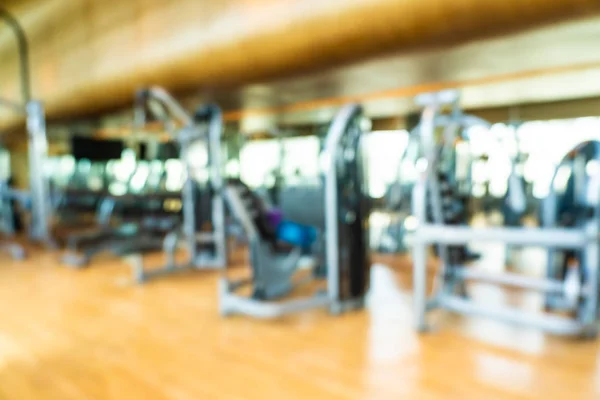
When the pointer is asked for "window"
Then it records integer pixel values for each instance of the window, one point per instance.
(300, 159)
(383, 151)
(259, 161)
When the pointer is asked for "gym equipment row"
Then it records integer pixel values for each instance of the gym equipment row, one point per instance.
(330, 243)
(143, 216)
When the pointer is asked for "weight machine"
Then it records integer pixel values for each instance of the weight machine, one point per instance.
(572, 205)
(37, 199)
(436, 130)
(124, 223)
(206, 250)
(341, 251)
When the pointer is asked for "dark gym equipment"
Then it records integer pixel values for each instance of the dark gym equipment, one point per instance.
(340, 251)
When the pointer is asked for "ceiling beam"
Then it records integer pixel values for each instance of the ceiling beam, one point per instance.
(90, 56)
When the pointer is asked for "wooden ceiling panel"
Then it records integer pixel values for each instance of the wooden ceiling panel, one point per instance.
(542, 65)
(89, 56)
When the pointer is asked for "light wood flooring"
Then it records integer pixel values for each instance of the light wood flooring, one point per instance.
(92, 334)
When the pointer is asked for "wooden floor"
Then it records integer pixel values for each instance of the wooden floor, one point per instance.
(91, 334)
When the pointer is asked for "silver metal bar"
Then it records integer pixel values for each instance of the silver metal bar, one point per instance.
(428, 185)
(178, 112)
(549, 323)
(426, 130)
(188, 198)
(510, 279)
(591, 259)
(337, 130)
(215, 131)
(142, 275)
(546, 237)
(442, 96)
(41, 209)
(74, 259)
(236, 206)
(419, 256)
(238, 209)
(579, 177)
(232, 286)
(233, 304)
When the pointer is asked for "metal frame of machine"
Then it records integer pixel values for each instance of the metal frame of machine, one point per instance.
(450, 284)
(33, 111)
(186, 133)
(563, 301)
(335, 297)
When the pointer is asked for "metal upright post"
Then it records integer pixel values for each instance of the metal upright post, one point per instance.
(38, 146)
(188, 196)
(41, 210)
(215, 131)
(338, 128)
(419, 256)
(591, 261)
(419, 201)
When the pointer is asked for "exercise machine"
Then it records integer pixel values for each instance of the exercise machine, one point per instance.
(571, 204)
(436, 129)
(37, 198)
(339, 242)
(205, 249)
(136, 220)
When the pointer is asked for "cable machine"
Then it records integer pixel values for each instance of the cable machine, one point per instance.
(436, 131)
(205, 249)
